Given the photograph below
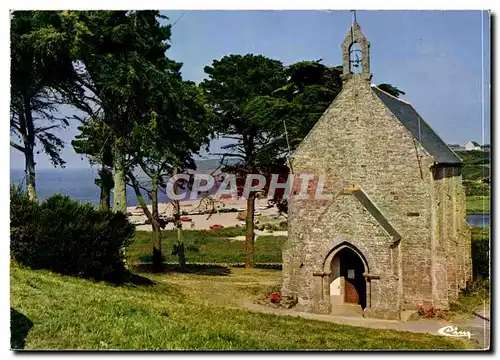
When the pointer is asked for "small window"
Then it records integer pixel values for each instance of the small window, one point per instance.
(350, 274)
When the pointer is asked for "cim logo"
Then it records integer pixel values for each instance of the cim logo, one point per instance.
(453, 331)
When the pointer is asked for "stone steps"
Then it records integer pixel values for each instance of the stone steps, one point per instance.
(347, 310)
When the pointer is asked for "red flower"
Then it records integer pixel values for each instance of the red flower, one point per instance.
(275, 297)
(430, 312)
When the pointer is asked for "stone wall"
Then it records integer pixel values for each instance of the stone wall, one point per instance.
(343, 221)
(452, 235)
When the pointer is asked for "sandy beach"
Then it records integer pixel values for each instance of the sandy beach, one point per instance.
(203, 221)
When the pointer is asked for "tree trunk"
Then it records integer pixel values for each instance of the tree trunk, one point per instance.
(250, 230)
(28, 129)
(104, 199)
(30, 173)
(157, 256)
(106, 184)
(248, 144)
(180, 241)
(120, 189)
(178, 225)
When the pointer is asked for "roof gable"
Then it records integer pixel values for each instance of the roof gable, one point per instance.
(420, 130)
(368, 204)
(365, 201)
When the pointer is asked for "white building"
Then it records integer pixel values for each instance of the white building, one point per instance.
(472, 145)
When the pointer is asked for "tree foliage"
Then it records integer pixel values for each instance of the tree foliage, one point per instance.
(388, 88)
(120, 53)
(94, 142)
(294, 109)
(239, 89)
(142, 115)
(236, 86)
(178, 128)
(311, 88)
(42, 77)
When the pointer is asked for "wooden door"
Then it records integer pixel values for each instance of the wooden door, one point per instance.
(352, 268)
(351, 294)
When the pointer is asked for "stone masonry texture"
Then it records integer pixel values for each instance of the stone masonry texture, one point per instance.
(359, 143)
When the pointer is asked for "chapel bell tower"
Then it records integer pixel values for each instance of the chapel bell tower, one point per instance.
(356, 54)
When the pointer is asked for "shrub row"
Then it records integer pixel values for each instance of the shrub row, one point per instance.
(480, 253)
(68, 237)
(474, 188)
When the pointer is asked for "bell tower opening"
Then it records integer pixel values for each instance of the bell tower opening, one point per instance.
(355, 58)
(356, 53)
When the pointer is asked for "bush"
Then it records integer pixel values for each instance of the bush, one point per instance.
(480, 254)
(475, 172)
(480, 233)
(474, 188)
(473, 297)
(68, 237)
(474, 157)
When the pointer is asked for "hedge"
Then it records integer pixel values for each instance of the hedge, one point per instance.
(480, 253)
(68, 237)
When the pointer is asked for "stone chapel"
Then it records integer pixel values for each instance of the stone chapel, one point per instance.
(393, 235)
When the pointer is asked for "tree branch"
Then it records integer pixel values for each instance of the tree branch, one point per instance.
(136, 187)
(46, 128)
(146, 169)
(229, 155)
(17, 147)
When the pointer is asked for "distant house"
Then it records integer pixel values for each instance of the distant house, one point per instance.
(486, 147)
(472, 145)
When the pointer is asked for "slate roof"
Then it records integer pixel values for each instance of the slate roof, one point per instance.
(475, 143)
(420, 130)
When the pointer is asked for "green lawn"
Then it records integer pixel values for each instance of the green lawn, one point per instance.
(180, 311)
(207, 246)
(478, 204)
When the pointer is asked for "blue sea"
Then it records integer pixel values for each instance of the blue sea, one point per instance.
(79, 183)
(76, 183)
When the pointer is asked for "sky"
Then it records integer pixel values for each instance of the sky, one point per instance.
(435, 57)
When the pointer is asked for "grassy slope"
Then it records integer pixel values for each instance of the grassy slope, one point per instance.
(208, 246)
(477, 295)
(69, 313)
(478, 204)
(471, 300)
(476, 164)
(476, 167)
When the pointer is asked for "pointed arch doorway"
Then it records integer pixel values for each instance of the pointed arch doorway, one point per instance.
(347, 280)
